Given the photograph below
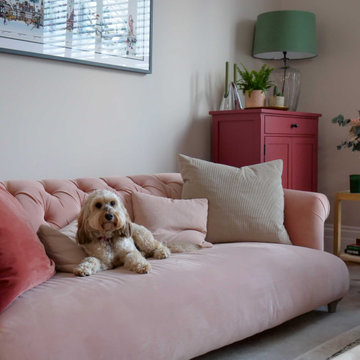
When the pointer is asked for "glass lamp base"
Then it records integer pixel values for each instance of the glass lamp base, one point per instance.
(287, 81)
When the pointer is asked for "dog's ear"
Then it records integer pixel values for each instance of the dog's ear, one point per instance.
(126, 230)
(81, 235)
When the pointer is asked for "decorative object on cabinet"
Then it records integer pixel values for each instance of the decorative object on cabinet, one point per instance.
(231, 99)
(255, 99)
(114, 35)
(254, 85)
(288, 34)
(251, 136)
(354, 132)
(276, 99)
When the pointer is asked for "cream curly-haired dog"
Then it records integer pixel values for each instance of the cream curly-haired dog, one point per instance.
(110, 239)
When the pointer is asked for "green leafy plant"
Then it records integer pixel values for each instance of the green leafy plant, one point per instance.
(254, 80)
(354, 132)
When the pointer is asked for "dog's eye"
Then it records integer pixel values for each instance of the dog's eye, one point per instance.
(112, 203)
(98, 205)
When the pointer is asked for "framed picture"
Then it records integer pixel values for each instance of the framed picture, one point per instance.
(109, 33)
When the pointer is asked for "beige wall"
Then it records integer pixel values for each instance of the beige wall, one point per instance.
(66, 120)
(330, 87)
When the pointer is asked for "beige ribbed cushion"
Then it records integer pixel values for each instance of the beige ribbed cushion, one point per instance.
(245, 204)
(61, 246)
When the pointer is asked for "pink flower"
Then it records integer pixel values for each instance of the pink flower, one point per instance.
(355, 122)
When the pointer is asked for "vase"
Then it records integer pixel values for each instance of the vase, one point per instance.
(255, 100)
(231, 100)
(288, 81)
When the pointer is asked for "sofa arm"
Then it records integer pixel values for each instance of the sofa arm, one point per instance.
(305, 214)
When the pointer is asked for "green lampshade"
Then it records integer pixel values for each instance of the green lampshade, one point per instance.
(289, 30)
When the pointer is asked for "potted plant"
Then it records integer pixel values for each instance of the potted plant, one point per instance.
(277, 99)
(254, 85)
(353, 141)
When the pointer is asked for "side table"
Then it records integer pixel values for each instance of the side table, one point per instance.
(339, 196)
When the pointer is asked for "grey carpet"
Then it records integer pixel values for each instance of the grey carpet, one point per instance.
(300, 335)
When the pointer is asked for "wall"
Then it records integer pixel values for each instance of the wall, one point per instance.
(331, 86)
(67, 120)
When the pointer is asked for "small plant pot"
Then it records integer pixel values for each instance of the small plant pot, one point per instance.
(255, 100)
(277, 101)
(355, 183)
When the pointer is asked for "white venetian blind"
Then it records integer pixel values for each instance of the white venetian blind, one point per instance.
(103, 27)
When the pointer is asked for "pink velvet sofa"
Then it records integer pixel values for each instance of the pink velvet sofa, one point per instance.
(188, 305)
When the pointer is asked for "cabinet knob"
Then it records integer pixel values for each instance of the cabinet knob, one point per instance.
(294, 125)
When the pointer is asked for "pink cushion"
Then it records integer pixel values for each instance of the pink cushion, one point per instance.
(172, 220)
(23, 261)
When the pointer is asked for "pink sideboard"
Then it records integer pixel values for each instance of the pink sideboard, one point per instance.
(250, 136)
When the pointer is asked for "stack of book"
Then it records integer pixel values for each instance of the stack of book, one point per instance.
(353, 249)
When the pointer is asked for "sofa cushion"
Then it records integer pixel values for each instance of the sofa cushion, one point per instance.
(61, 246)
(23, 261)
(245, 204)
(172, 220)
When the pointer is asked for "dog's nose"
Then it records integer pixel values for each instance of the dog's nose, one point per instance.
(109, 217)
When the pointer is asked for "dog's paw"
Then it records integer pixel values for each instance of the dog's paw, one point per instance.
(143, 268)
(82, 271)
(162, 252)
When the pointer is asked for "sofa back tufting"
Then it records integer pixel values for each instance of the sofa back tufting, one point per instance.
(58, 202)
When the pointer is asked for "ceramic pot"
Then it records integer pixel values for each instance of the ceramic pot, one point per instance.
(276, 101)
(355, 183)
(256, 99)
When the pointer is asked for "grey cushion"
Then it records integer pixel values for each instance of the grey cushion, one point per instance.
(245, 204)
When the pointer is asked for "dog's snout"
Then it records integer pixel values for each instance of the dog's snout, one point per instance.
(109, 216)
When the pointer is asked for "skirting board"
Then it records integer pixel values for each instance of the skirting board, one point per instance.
(348, 236)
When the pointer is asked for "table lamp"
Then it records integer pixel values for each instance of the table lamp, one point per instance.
(287, 34)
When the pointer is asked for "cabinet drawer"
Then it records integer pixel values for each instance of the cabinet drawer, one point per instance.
(287, 125)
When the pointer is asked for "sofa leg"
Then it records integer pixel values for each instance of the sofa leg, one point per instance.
(332, 306)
